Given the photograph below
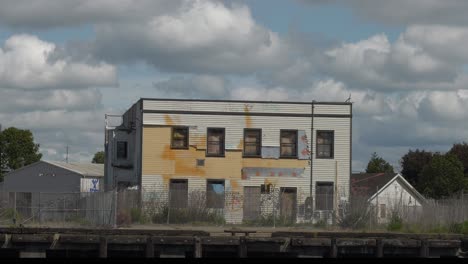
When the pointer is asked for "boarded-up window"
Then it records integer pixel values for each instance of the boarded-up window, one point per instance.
(178, 193)
(180, 138)
(383, 211)
(215, 194)
(251, 206)
(324, 196)
(288, 141)
(215, 142)
(252, 142)
(121, 149)
(325, 142)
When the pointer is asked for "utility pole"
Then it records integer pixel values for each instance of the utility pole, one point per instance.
(67, 155)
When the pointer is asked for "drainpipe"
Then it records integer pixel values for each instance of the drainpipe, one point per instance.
(311, 155)
(336, 201)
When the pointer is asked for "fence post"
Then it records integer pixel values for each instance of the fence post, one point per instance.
(169, 206)
(115, 205)
(39, 210)
(463, 205)
(14, 209)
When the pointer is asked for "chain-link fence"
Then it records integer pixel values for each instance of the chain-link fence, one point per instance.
(57, 209)
(255, 206)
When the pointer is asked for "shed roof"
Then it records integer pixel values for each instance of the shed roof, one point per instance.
(367, 184)
(85, 169)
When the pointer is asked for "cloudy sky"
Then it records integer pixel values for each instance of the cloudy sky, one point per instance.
(65, 63)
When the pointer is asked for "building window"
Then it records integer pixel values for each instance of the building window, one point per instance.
(215, 142)
(325, 142)
(122, 150)
(324, 196)
(180, 138)
(288, 143)
(215, 194)
(178, 193)
(252, 142)
(383, 211)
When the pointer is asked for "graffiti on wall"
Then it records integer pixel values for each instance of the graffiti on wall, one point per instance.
(249, 172)
(233, 201)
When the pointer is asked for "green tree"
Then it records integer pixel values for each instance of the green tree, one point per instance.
(461, 151)
(378, 164)
(99, 157)
(442, 177)
(412, 163)
(17, 149)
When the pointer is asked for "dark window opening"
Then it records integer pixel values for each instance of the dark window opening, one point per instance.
(324, 196)
(252, 142)
(215, 194)
(180, 138)
(325, 142)
(122, 150)
(215, 142)
(288, 141)
(178, 193)
(265, 188)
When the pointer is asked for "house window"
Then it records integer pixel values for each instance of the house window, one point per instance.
(180, 138)
(252, 142)
(178, 193)
(288, 143)
(383, 211)
(121, 149)
(215, 142)
(215, 194)
(325, 141)
(324, 196)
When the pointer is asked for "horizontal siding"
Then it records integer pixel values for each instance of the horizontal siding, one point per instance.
(234, 125)
(326, 169)
(162, 162)
(327, 109)
(227, 107)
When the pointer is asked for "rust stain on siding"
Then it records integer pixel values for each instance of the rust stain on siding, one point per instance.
(234, 185)
(248, 119)
(168, 120)
(160, 159)
(241, 144)
(185, 161)
(199, 141)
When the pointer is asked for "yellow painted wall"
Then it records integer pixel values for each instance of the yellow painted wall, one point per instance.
(160, 159)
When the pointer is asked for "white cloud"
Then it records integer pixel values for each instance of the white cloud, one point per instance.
(412, 62)
(26, 63)
(201, 37)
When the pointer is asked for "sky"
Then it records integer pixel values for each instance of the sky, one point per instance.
(64, 64)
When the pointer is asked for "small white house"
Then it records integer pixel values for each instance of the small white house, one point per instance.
(388, 192)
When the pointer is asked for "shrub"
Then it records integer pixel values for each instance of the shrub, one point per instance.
(124, 219)
(138, 216)
(396, 223)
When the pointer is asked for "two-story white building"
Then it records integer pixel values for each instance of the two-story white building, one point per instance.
(236, 151)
